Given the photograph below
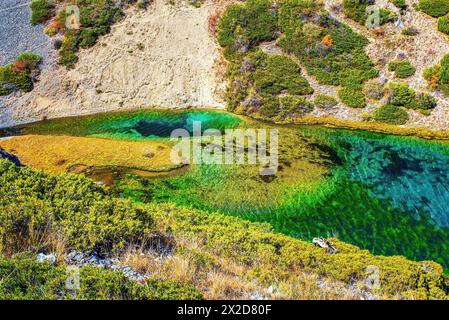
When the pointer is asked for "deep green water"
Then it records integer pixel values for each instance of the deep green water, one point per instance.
(385, 193)
(135, 125)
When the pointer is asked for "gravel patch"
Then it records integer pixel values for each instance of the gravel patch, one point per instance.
(17, 34)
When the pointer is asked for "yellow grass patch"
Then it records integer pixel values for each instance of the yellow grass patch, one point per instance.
(419, 132)
(57, 154)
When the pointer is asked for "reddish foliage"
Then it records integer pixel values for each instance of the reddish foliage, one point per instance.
(19, 66)
(380, 32)
(55, 23)
(213, 23)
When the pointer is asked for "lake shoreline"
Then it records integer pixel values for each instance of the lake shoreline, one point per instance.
(309, 120)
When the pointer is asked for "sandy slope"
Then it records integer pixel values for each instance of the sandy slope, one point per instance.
(164, 56)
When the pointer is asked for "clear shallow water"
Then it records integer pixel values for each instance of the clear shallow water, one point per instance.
(381, 192)
(413, 175)
(136, 125)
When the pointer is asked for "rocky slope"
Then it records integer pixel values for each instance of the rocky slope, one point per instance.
(162, 57)
(168, 57)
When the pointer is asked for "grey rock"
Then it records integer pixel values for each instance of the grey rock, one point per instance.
(49, 258)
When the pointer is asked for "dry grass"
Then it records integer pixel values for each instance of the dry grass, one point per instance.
(374, 126)
(222, 278)
(57, 154)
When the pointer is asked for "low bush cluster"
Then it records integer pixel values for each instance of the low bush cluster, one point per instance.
(22, 277)
(402, 68)
(443, 24)
(323, 101)
(328, 49)
(352, 97)
(19, 74)
(243, 26)
(41, 11)
(374, 90)
(268, 86)
(438, 75)
(434, 8)
(403, 96)
(391, 114)
(357, 11)
(96, 18)
(401, 4)
(409, 31)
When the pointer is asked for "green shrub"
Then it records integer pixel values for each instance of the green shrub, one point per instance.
(4, 91)
(402, 95)
(67, 205)
(96, 18)
(390, 114)
(402, 69)
(244, 25)
(444, 70)
(373, 89)
(22, 278)
(409, 31)
(17, 76)
(434, 8)
(293, 106)
(258, 81)
(41, 11)
(268, 256)
(329, 64)
(352, 97)
(278, 74)
(424, 102)
(443, 24)
(401, 4)
(323, 101)
(438, 75)
(32, 60)
(386, 16)
(432, 74)
(356, 10)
